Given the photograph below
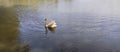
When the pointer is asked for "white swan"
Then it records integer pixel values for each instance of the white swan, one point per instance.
(51, 24)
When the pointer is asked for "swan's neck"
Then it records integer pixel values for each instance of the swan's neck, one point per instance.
(46, 23)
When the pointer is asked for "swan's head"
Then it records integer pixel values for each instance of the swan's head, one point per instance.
(45, 19)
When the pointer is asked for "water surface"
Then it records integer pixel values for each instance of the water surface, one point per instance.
(81, 26)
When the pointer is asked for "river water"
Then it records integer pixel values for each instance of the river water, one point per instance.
(82, 26)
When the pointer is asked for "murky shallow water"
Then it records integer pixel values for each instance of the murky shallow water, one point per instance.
(78, 29)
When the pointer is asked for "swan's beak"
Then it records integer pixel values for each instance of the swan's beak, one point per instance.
(45, 19)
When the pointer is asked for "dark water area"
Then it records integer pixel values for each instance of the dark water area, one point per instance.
(82, 26)
(9, 37)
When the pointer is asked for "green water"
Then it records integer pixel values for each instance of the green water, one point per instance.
(9, 24)
(9, 32)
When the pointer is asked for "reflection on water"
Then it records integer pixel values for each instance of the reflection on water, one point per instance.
(50, 29)
(9, 37)
(9, 3)
(79, 29)
(25, 47)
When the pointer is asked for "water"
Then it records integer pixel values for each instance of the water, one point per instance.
(82, 26)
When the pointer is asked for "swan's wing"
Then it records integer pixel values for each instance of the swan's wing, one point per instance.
(51, 23)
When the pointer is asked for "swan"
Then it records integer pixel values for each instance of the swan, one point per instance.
(51, 24)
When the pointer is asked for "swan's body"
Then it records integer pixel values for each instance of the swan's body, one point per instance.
(51, 24)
